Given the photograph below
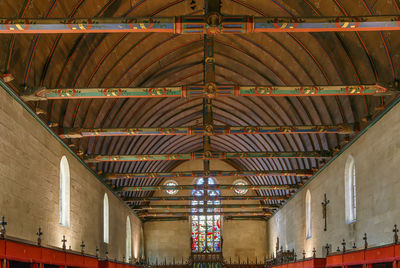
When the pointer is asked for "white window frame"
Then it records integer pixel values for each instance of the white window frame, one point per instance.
(128, 242)
(350, 190)
(308, 214)
(65, 191)
(106, 220)
(171, 192)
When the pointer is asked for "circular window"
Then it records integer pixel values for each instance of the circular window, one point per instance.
(238, 189)
(171, 183)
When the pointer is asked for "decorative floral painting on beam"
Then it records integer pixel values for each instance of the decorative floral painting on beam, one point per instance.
(206, 222)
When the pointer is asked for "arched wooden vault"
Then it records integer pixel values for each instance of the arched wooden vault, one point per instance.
(152, 59)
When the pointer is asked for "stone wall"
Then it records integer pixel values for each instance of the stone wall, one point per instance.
(29, 189)
(172, 239)
(377, 158)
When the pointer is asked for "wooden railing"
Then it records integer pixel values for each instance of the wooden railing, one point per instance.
(26, 254)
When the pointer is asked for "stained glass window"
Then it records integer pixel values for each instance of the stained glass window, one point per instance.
(206, 222)
(238, 190)
(171, 183)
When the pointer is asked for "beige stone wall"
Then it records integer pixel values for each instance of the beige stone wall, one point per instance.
(377, 160)
(29, 189)
(245, 239)
(172, 239)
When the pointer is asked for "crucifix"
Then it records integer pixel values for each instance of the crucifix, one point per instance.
(324, 205)
(365, 240)
(327, 249)
(64, 246)
(396, 236)
(3, 224)
(39, 234)
(83, 247)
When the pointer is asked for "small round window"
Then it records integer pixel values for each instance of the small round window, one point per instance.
(239, 189)
(171, 190)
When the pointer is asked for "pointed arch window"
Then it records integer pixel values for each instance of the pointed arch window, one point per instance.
(64, 199)
(206, 222)
(308, 214)
(106, 220)
(128, 243)
(350, 190)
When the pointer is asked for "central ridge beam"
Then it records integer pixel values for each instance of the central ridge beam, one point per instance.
(198, 174)
(289, 187)
(215, 24)
(209, 90)
(244, 206)
(209, 130)
(207, 156)
(209, 198)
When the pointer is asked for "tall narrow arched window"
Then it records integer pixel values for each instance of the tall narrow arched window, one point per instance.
(64, 192)
(206, 223)
(106, 220)
(350, 190)
(308, 214)
(128, 244)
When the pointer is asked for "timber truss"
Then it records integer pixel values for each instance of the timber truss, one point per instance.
(213, 23)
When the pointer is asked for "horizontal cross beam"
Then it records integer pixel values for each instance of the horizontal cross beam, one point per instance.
(196, 174)
(232, 218)
(210, 90)
(146, 219)
(204, 187)
(186, 214)
(209, 130)
(209, 198)
(207, 155)
(242, 206)
(198, 25)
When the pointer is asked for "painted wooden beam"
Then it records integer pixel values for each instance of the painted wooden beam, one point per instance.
(168, 207)
(209, 130)
(289, 187)
(209, 90)
(188, 214)
(231, 218)
(199, 25)
(209, 198)
(196, 174)
(207, 155)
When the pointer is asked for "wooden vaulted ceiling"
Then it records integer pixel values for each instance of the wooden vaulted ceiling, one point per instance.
(163, 59)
